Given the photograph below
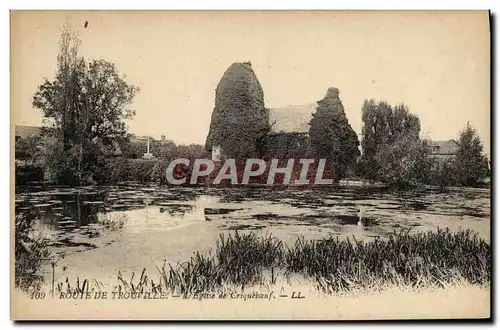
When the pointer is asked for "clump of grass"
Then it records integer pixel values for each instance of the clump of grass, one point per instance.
(145, 284)
(199, 274)
(431, 258)
(79, 287)
(238, 260)
(421, 259)
(243, 257)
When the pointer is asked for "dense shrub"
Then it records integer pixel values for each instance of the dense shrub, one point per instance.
(30, 252)
(405, 162)
(470, 164)
(142, 170)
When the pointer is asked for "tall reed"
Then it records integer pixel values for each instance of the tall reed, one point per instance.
(415, 260)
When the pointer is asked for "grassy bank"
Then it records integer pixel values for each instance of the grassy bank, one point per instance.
(242, 261)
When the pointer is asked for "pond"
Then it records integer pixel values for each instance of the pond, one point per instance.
(106, 229)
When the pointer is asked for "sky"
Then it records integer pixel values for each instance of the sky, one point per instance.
(437, 63)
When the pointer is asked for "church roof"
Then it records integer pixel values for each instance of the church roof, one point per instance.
(449, 147)
(24, 131)
(291, 119)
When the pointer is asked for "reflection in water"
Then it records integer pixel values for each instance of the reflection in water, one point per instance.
(154, 217)
(61, 214)
(129, 227)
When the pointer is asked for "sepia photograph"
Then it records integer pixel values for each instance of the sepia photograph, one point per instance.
(250, 165)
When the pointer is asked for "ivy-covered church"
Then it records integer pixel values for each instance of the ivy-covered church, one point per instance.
(242, 127)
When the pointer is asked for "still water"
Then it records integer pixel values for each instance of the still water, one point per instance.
(106, 229)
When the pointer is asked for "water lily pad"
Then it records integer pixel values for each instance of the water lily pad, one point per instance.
(66, 222)
(93, 202)
(42, 205)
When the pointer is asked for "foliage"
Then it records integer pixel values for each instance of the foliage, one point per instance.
(30, 252)
(404, 162)
(393, 152)
(169, 150)
(25, 148)
(384, 124)
(87, 104)
(132, 149)
(135, 148)
(431, 258)
(26, 151)
(287, 146)
(443, 172)
(467, 168)
(52, 157)
(392, 149)
(239, 122)
(142, 170)
(471, 165)
(375, 132)
(332, 137)
(120, 169)
(132, 167)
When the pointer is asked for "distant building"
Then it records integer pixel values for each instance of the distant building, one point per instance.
(216, 153)
(289, 132)
(137, 138)
(242, 125)
(444, 149)
(293, 119)
(289, 135)
(144, 139)
(24, 132)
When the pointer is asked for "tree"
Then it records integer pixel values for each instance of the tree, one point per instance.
(403, 123)
(443, 173)
(375, 131)
(470, 163)
(52, 157)
(392, 149)
(332, 137)
(87, 104)
(404, 162)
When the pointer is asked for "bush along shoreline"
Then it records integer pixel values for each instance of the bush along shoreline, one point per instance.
(245, 260)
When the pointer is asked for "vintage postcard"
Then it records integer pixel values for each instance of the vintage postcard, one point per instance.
(250, 165)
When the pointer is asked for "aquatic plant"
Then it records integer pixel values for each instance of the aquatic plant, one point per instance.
(416, 260)
(423, 258)
(239, 260)
(244, 256)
